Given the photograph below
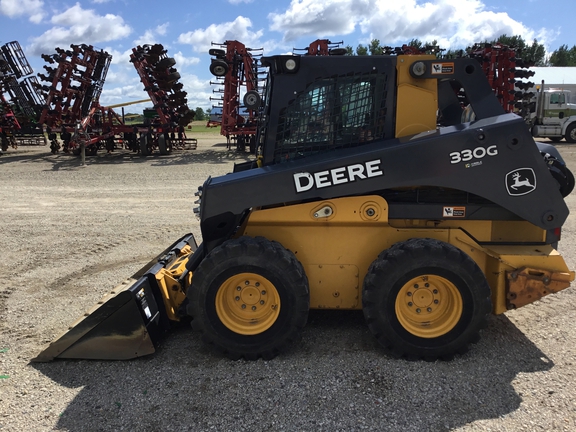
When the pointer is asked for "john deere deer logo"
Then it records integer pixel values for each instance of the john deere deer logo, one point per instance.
(521, 181)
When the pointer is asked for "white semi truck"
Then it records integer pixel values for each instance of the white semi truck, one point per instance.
(553, 116)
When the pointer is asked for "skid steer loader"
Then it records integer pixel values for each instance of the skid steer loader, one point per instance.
(369, 193)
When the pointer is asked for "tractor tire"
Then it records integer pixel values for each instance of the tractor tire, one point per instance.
(249, 298)
(252, 100)
(219, 67)
(165, 63)
(424, 298)
(571, 133)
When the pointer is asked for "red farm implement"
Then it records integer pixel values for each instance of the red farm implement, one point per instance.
(321, 47)
(165, 123)
(20, 101)
(75, 80)
(238, 79)
(505, 70)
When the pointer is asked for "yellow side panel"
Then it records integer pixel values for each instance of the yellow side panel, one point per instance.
(336, 286)
(337, 240)
(337, 250)
(417, 99)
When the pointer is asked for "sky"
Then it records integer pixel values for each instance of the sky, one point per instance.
(187, 28)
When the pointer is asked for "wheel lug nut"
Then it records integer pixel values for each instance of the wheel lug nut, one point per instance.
(435, 291)
(237, 298)
(426, 285)
(410, 304)
(409, 294)
(416, 286)
(257, 284)
(253, 308)
(436, 302)
(243, 306)
(247, 283)
(238, 288)
(263, 292)
(418, 310)
(429, 309)
(261, 302)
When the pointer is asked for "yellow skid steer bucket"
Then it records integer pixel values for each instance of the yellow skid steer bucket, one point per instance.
(128, 322)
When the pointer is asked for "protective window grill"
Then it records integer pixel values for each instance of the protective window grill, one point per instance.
(333, 113)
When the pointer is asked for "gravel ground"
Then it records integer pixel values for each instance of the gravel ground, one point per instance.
(70, 233)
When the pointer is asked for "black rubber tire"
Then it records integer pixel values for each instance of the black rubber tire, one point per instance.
(253, 148)
(165, 63)
(571, 133)
(259, 256)
(164, 145)
(337, 51)
(563, 176)
(555, 139)
(252, 100)
(91, 150)
(406, 260)
(170, 78)
(144, 147)
(218, 67)
(216, 52)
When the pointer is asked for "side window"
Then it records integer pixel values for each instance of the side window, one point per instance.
(332, 113)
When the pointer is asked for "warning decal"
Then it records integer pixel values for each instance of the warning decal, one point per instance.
(454, 212)
(442, 68)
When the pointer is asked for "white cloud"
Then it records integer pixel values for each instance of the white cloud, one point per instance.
(151, 36)
(239, 29)
(182, 61)
(324, 18)
(15, 8)
(454, 23)
(77, 25)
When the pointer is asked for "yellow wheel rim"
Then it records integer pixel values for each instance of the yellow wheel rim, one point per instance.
(428, 306)
(247, 303)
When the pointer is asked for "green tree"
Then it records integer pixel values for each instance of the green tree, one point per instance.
(563, 56)
(199, 114)
(416, 43)
(375, 48)
(361, 50)
(349, 50)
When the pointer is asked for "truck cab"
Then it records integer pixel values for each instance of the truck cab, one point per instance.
(554, 116)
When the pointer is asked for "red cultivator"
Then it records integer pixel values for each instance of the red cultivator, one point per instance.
(75, 78)
(236, 71)
(171, 113)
